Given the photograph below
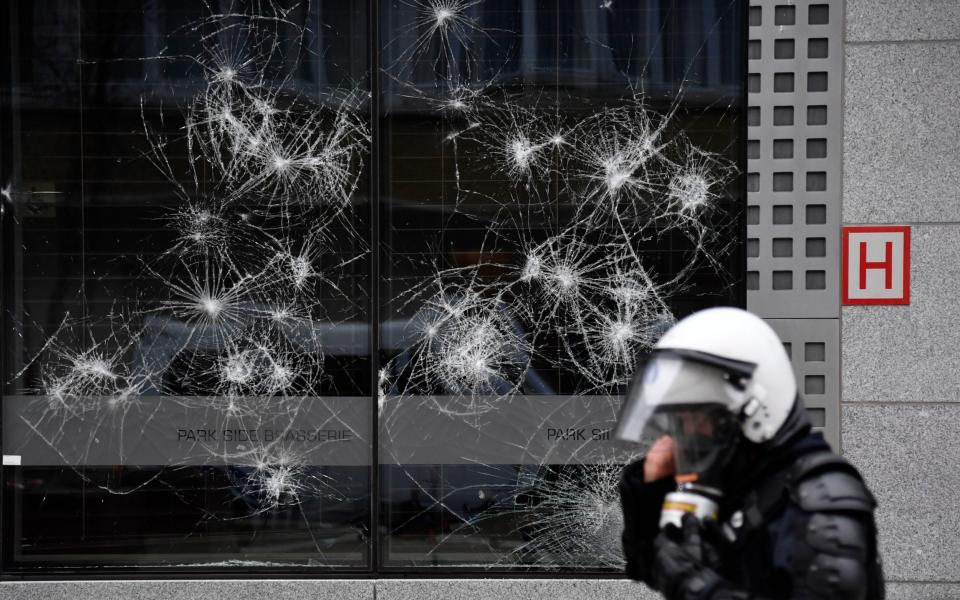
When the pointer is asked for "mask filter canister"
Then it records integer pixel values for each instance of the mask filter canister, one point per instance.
(700, 501)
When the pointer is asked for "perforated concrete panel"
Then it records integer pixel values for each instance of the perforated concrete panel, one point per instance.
(794, 158)
(794, 147)
(814, 349)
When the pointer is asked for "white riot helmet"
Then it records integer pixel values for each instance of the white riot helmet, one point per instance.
(713, 375)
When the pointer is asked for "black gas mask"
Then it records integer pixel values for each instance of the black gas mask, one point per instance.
(692, 398)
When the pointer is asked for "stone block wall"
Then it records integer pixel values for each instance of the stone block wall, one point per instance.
(899, 383)
(900, 365)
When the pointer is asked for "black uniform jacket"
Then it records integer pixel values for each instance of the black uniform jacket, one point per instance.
(802, 528)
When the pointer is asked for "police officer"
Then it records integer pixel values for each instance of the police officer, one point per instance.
(736, 497)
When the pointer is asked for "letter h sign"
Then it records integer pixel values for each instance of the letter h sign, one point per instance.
(876, 264)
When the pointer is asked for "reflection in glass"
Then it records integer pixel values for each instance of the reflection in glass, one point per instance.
(186, 268)
(187, 260)
(559, 186)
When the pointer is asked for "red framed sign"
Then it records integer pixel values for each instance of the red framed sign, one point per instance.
(876, 264)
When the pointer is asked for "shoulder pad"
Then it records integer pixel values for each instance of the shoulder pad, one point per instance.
(809, 464)
(837, 534)
(835, 556)
(833, 490)
(836, 577)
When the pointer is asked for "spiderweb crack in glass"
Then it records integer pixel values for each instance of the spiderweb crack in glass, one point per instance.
(245, 285)
(561, 282)
(577, 196)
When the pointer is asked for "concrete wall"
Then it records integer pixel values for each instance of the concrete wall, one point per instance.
(900, 370)
(900, 409)
(344, 589)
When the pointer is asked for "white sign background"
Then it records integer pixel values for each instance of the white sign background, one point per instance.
(875, 280)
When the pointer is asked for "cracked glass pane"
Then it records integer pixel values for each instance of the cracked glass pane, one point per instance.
(560, 184)
(186, 271)
(193, 378)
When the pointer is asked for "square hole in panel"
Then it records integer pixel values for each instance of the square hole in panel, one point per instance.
(753, 280)
(756, 16)
(753, 182)
(753, 116)
(753, 215)
(816, 214)
(753, 247)
(814, 384)
(817, 81)
(753, 50)
(816, 115)
(782, 247)
(788, 348)
(753, 83)
(783, 49)
(782, 82)
(783, 214)
(816, 181)
(783, 181)
(816, 247)
(817, 48)
(784, 15)
(753, 148)
(783, 280)
(816, 280)
(783, 115)
(783, 148)
(817, 416)
(815, 352)
(818, 14)
(817, 148)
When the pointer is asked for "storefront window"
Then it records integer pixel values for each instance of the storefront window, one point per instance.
(186, 271)
(348, 285)
(561, 185)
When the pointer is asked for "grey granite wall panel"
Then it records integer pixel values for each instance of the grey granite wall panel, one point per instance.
(272, 589)
(895, 20)
(384, 589)
(923, 591)
(909, 456)
(415, 589)
(901, 147)
(901, 364)
(909, 353)
(510, 589)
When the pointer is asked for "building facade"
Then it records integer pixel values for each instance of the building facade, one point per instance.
(444, 266)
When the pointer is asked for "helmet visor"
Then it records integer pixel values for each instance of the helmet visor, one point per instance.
(673, 382)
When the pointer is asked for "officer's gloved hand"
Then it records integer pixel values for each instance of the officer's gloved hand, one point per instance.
(715, 543)
(683, 563)
(641, 501)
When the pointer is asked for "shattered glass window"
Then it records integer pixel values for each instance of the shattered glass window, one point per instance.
(560, 185)
(187, 373)
(349, 284)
